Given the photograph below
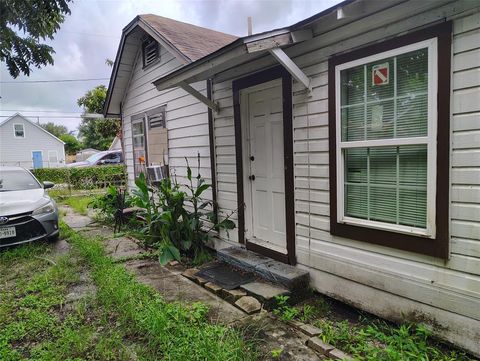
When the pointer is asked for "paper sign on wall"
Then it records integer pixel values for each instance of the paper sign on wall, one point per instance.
(377, 117)
(380, 74)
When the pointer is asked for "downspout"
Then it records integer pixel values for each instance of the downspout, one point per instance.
(211, 138)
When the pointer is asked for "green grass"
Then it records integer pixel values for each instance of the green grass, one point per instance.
(123, 320)
(79, 204)
(170, 331)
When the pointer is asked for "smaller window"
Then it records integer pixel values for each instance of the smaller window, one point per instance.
(150, 51)
(19, 131)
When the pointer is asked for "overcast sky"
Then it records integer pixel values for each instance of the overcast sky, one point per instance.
(92, 32)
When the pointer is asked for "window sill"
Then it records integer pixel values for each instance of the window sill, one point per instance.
(413, 231)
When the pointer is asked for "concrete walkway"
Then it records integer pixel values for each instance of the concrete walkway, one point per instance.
(174, 287)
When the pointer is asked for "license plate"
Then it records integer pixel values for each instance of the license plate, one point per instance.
(7, 232)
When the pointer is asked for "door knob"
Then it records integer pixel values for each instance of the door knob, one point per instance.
(252, 158)
(252, 177)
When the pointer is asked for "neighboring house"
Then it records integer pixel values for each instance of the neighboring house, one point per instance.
(27, 144)
(160, 127)
(85, 153)
(349, 144)
(116, 144)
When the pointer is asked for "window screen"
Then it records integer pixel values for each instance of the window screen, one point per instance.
(383, 100)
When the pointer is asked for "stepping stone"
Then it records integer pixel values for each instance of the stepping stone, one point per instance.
(233, 295)
(190, 273)
(122, 247)
(248, 304)
(318, 345)
(310, 330)
(336, 354)
(264, 292)
(213, 287)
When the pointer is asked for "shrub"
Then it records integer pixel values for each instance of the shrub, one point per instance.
(84, 177)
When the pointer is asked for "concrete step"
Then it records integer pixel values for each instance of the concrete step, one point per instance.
(266, 293)
(276, 272)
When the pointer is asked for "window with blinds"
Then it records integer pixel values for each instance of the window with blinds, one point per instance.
(386, 131)
(139, 145)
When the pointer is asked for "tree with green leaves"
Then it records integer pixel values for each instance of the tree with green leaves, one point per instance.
(97, 133)
(24, 24)
(55, 129)
(72, 144)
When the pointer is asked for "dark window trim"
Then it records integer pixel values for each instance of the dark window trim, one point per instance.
(246, 82)
(146, 43)
(438, 247)
(139, 118)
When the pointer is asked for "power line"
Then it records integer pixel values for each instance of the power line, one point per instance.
(89, 34)
(45, 116)
(39, 111)
(51, 81)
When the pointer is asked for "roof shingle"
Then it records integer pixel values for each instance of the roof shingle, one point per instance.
(192, 41)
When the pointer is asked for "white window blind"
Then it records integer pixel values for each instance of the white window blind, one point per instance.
(386, 140)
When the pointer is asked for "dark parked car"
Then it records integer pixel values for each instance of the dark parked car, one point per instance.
(108, 157)
(27, 213)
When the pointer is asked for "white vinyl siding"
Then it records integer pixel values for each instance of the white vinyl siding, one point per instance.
(17, 151)
(186, 118)
(445, 292)
(386, 139)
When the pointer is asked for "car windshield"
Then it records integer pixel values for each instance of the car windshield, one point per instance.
(94, 157)
(17, 180)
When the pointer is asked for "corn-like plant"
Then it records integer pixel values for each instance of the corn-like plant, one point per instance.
(179, 222)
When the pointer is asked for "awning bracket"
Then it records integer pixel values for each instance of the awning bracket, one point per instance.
(195, 93)
(292, 68)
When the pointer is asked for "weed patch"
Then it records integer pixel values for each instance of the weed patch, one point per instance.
(169, 331)
(368, 339)
(79, 204)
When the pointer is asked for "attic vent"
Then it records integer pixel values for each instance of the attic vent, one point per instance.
(150, 51)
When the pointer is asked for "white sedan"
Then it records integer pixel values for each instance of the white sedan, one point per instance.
(27, 213)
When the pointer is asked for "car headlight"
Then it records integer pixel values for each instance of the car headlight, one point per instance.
(47, 208)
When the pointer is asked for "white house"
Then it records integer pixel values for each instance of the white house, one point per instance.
(27, 144)
(350, 145)
(160, 127)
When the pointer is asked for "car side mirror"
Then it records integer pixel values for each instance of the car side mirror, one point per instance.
(47, 185)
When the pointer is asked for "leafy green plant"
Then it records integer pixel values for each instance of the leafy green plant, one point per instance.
(377, 340)
(111, 206)
(176, 221)
(284, 310)
(276, 353)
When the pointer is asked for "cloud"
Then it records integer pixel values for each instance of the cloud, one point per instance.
(92, 33)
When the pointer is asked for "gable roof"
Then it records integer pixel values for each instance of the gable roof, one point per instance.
(187, 42)
(194, 42)
(32, 123)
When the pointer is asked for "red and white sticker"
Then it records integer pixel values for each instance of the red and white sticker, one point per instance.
(380, 74)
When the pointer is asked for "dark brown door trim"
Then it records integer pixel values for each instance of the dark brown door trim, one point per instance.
(277, 72)
(211, 138)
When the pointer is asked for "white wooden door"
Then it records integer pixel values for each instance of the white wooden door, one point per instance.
(267, 189)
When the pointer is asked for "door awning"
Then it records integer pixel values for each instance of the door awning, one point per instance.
(269, 48)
